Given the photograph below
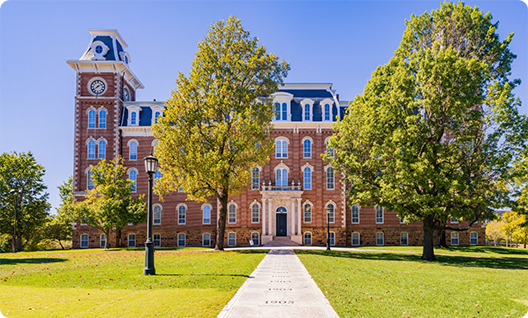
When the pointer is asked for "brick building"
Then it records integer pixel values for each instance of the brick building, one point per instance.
(290, 196)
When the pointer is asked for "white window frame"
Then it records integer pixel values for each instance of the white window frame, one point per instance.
(89, 180)
(92, 120)
(178, 208)
(128, 241)
(100, 117)
(156, 108)
(203, 239)
(155, 220)
(133, 109)
(154, 240)
(332, 203)
(258, 238)
(87, 241)
(332, 238)
(229, 219)
(380, 220)
(304, 152)
(184, 239)
(304, 212)
(382, 239)
(255, 178)
(304, 238)
(453, 220)
(352, 214)
(471, 238)
(402, 234)
(331, 105)
(90, 155)
(231, 239)
(210, 207)
(134, 186)
(281, 98)
(328, 181)
(253, 205)
(358, 239)
(284, 145)
(307, 102)
(130, 150)
(453, 234)
(307, 181)
(101, 151)
(102, 240)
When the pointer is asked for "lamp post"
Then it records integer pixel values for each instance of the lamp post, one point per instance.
(151, 165)
(15, 194)
(328, 228)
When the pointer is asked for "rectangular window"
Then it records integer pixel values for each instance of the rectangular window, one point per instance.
(131, 240)
(255, 238)
(380, 239)
(84, 241)
(307, 178)
(330, 178)
(232, 214)
(255, 179)
(181, 239)
(157, 240)
(404, 238)
(255, 213)
(454, 238)
(102, 119)
(207, 214)
(103, 240)
(355, 239)
(284, 111)
(307, 213)
(402, 221)
(473, 238)
(307, 149)
(231, 239)
(206, 239)
(307, 238)
(454, 220)
(332, 238)
(355, 214)
(157, 215)
(379, 214)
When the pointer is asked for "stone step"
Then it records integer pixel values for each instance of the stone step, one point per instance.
(279, 241)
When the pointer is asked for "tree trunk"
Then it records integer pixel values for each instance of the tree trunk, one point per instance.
(428, 244)
(442, 243)
(220, 226)
(107, 241)
(13, 244)
(61, 244)
(19, 243)
(495, 243)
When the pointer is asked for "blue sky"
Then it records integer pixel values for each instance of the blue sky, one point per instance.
(339, 42)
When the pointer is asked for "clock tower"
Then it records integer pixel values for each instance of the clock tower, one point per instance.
(104, 81)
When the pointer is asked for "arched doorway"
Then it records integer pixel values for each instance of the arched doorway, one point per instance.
(281, 222)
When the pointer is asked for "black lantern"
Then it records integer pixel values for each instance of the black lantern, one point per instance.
(151, 165)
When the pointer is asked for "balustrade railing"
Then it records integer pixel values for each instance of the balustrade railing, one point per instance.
(293, 187)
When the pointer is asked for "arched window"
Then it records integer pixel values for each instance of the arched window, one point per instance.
(327, 112)
(91, 118)
(206, 239)
(206, 214)
(380, 238)
(330, 178)
(307, 178)
(281, 149)
(156, 115)
(84, 241)
(133, 118)
(157, 215)
(255, 178)
(332, 238)
(329, 149)
(132, 176)
(255, 237)
(132, 151)
(255, 213)
(404, 238)
(379, 214)
(102, 119)
(181, 239)
(91, 149)
(281, 178)
(355, 239)
(102, 240)
(307, 238)
(330, 209)
(284, 111)
(473, 238)
(277, 111)
(231, 239)
(307, 148)
(157, 175)
(231, 214)
(182, 214)
(355, 214)
(89, 178)
(102, 150)
(307, 213)
(131, 240)
(157, 240)
(307, 112)
(454, 238)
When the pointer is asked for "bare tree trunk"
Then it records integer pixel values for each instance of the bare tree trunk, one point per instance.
(107, 241)
(13, 244)
(220, 226)
(428, 244)
(495, 243)
(442, 243)
(61, 244)
(19, 242)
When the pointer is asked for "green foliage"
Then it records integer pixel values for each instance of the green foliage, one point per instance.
(22, 173)
(107, 283)
(217, 123)
(514, 226)
(59, 228)
(109, 205)
(376, 284)
(435, 132)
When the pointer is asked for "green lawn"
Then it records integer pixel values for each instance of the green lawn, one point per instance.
(492, 282)
(477, 251)
(98, 283)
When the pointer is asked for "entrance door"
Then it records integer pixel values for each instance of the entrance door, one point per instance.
(281, 224)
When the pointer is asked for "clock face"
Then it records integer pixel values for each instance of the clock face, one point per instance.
(126, 95)
(97, 87)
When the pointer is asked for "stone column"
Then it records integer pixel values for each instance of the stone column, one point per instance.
(270, 230)
(263, 217)
(293, 228)
(299, 206)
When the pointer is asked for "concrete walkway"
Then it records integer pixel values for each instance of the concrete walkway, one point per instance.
(279, 287)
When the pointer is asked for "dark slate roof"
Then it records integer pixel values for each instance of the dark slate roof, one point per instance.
(145, 117)
(308, 93)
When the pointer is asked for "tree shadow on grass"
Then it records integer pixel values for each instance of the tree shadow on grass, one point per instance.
(489, 249)
(444, 260)
(227, 275)
(31, 260)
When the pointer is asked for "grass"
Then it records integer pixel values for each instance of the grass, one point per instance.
(476, 251)
(99, 283)
(490, 283)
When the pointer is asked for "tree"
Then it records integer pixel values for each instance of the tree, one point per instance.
(21, 172)
(434, 133)
(60, 226)
(217, 123)
(514, 227)
(493, 231)
(109, 205)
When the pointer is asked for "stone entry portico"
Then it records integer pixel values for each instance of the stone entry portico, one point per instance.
(287, 197)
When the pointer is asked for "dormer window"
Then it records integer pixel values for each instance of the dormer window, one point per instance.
(133, 115)
(326, 105)
(282, 102)
(99, 50)
(307, 107)
(157, 111)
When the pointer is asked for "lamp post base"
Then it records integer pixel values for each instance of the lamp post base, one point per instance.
(149, 259)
